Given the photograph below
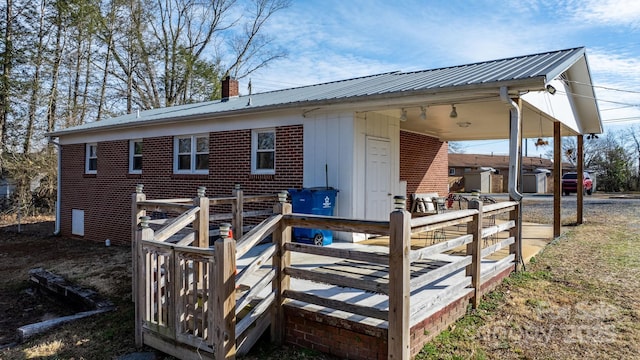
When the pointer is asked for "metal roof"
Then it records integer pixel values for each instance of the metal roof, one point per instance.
(521, 70)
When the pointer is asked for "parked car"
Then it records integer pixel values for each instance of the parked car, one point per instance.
(570, 183)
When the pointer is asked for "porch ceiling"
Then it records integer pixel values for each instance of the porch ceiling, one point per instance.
(476, 120)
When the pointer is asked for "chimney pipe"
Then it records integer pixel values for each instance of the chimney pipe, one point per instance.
(229, 88)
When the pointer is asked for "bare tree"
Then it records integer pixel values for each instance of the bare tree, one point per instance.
(252, 48)
(7, 63)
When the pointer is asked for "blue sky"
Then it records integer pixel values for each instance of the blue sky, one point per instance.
(338, 39)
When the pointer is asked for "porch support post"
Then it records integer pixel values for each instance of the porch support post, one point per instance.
(237, 208)
(580, 159)
(399, 288)
(557, 176)
(474, 249)
(281, 260)
(136, 214)
(224, 304)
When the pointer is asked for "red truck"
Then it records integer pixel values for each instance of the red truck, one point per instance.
(570, 183)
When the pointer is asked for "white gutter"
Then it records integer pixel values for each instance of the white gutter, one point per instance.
(57, 228)
(514, 160)
(514, 143)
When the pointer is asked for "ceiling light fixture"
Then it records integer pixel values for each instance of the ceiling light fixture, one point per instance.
(454, 113)
(423, 113)
(463, 124)
(550, 89)
(403, 116)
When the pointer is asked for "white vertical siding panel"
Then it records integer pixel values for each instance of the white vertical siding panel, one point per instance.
(328, 140)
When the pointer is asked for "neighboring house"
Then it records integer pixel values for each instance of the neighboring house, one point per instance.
(461, 165)
(7, 186)
(372, 137)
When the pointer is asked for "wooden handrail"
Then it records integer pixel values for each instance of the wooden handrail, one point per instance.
(337, 224)
(367, 311)
(504, 205)
(256, 235)
(437, 219)
(176, 225)
(441, 247)
(207, 252)
(367, 256)
(376, 286)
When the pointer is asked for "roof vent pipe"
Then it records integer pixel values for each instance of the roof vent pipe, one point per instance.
(514, 143)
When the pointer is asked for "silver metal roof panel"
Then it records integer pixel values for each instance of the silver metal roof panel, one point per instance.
(537, 66)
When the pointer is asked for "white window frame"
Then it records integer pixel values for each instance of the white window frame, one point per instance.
(133, 155)
(254, 151)
(194, 140)
(452, 171)
(88, 157)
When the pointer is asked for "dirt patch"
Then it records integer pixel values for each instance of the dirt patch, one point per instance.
(106, 270)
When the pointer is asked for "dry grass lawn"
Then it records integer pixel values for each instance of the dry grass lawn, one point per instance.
(579, 299)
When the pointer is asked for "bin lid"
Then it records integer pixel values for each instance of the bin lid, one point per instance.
(316, 188)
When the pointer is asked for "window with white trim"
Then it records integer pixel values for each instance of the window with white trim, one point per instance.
(135, 156)
(91, 159)
(263, 151)
(452, 171)
(191, 154)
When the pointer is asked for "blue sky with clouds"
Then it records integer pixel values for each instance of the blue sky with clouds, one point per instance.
(338, 39)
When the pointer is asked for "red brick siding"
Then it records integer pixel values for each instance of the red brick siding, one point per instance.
(340, 337)
(423, 164)
(106, 196)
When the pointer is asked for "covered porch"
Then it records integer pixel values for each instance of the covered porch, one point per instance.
(540, 96)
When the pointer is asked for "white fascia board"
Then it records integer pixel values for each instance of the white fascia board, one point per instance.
(558, 106)
(178, 127)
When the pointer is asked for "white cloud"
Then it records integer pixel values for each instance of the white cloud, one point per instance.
(609, 12)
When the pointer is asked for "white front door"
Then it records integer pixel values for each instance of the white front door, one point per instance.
(377, 180)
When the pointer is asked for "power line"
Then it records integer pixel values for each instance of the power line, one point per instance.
(604, 87)
(599, 100)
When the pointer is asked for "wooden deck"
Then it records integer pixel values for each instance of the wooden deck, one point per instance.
(217, 301)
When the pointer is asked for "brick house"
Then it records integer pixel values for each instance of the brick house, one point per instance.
(371, 138)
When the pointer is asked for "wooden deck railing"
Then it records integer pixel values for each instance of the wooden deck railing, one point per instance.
(186, 291)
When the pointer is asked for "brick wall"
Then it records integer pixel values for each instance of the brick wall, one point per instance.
(106, 196)
(423, 164)
(340, 337)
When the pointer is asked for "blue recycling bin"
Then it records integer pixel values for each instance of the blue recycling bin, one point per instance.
(315, 201)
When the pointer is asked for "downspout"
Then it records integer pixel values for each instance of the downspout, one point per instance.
(514, 143)
(57, 228)
(514, 161)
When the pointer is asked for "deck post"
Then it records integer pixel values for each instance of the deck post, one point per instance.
(237, 208)
(224, 333)
(474, 249)
(136, 214)
(514, 232)
(399, 287)
(201, 223)
(145, 233)
(281, 260)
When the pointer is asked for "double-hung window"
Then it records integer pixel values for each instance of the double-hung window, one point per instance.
(91, 159)
(135, 156)
(263, 151)
(191, 154)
